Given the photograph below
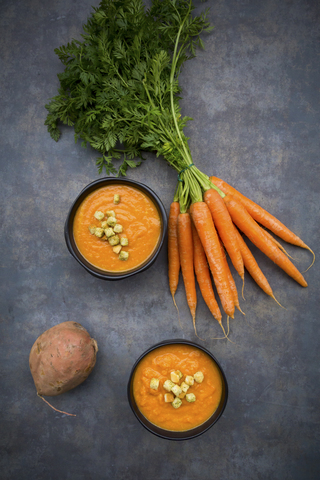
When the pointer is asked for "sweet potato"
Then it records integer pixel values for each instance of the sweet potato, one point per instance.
(62, 358)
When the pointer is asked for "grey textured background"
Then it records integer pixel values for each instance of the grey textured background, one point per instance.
(254, 96)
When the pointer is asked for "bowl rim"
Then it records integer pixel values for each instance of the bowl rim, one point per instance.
(70, 242)
(177, 435)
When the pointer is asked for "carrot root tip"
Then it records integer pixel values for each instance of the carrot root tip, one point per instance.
(274, 298)
(314, 258)
(242, 291)
(175, 304)
(227, 335)
(195, 328)
(238, 307)
(285, 251)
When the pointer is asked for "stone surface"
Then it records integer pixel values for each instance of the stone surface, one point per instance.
(254, 96)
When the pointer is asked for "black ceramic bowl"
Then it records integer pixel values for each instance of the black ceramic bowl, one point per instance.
(188, 434)
(71, 244)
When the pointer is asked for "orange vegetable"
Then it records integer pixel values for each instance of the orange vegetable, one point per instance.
(252, 266)
(203, 276)
(203, 222)
(185, 243)
(225, 228)
(173, 248)
(242, 218)
(276, 242)
(262, 216)
(232, 284)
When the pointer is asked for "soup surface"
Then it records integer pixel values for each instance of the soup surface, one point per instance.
(159, 364)
(138, 216)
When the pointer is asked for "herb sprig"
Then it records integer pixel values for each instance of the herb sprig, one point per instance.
(120, 88)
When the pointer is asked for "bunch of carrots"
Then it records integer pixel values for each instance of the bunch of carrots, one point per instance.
(134, 100)
(207, 217)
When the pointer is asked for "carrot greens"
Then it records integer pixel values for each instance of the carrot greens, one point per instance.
(119, 89)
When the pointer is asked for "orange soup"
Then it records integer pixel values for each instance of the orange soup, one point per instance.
(158, 365)
(136, 217)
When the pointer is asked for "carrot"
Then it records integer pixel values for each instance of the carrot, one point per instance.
(242, 218)
(262, 216)
(276, 242)
(253, 268)
(185, 243)
(232, 284)
(203, 276)
(203, 222)
(225, 228)
(173, 249)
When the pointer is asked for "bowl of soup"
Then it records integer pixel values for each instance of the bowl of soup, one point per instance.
(116, 228)
(177, 390)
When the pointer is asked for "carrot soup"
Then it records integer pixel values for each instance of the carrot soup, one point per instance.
(117, 228)
(177, 387)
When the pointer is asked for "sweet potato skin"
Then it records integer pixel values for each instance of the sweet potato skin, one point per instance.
(61, 358)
